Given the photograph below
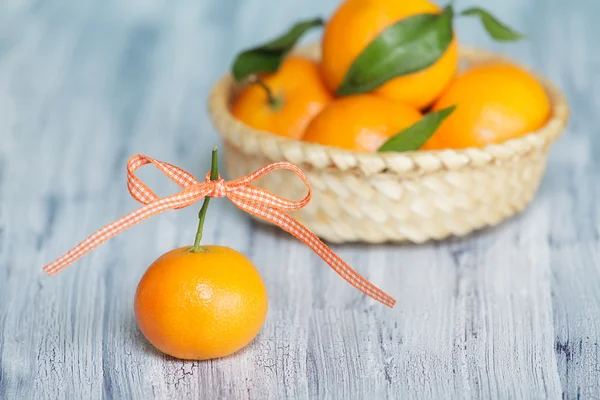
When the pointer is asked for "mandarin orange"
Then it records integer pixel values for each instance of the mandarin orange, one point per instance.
(360, 122)
(201, 305)
(358, 22)
(494, 103)
(298, 95)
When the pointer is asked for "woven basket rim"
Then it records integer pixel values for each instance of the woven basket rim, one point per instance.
(400, 162)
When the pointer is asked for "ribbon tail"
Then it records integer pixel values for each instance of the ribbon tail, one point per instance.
(104, 234)
(303, 234)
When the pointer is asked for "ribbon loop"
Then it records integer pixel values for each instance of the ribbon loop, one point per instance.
(255, 194)
(143, 193)
(250, 199)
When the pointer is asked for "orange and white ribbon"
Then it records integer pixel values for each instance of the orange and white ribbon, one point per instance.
(249, 198)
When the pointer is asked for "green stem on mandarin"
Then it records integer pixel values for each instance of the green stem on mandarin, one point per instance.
(273, 101)
(214, 175)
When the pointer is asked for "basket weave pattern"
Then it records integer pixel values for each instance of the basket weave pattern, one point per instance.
(394, 197)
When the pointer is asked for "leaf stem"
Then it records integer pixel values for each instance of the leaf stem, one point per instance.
(274, 101)
(214, 175)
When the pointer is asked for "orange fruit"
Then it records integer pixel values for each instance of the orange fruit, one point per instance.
(300, 95)
(356, 23)
(360, 122)
(201, 305)
(494, 103)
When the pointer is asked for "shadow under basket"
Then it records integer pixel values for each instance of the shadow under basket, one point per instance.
(394, 197)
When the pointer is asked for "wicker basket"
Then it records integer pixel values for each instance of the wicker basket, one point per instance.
(394, 197)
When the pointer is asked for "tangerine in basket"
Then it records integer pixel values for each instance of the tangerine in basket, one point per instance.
(283, 102)
(358, 22)
(201, 305)
(360, 122)
(494, 103)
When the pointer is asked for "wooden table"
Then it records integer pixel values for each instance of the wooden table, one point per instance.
(510, 312)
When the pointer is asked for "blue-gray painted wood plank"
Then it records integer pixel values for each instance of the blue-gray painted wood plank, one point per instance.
(511, 312)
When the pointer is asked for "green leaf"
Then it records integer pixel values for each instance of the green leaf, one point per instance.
(408, 46)
(496, 29)
(415, 136)
(268, 57)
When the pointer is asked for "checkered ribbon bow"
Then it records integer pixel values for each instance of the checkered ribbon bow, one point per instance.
(249, 198)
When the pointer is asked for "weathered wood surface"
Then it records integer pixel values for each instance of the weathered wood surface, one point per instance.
(511, 312)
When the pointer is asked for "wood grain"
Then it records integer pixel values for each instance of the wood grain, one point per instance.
(511, 312)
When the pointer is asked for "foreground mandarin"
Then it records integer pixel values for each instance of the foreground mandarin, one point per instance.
(360, 122)
(494, 103)
(283, 102)
(357, 22)
(201, 305)
(201, 302)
